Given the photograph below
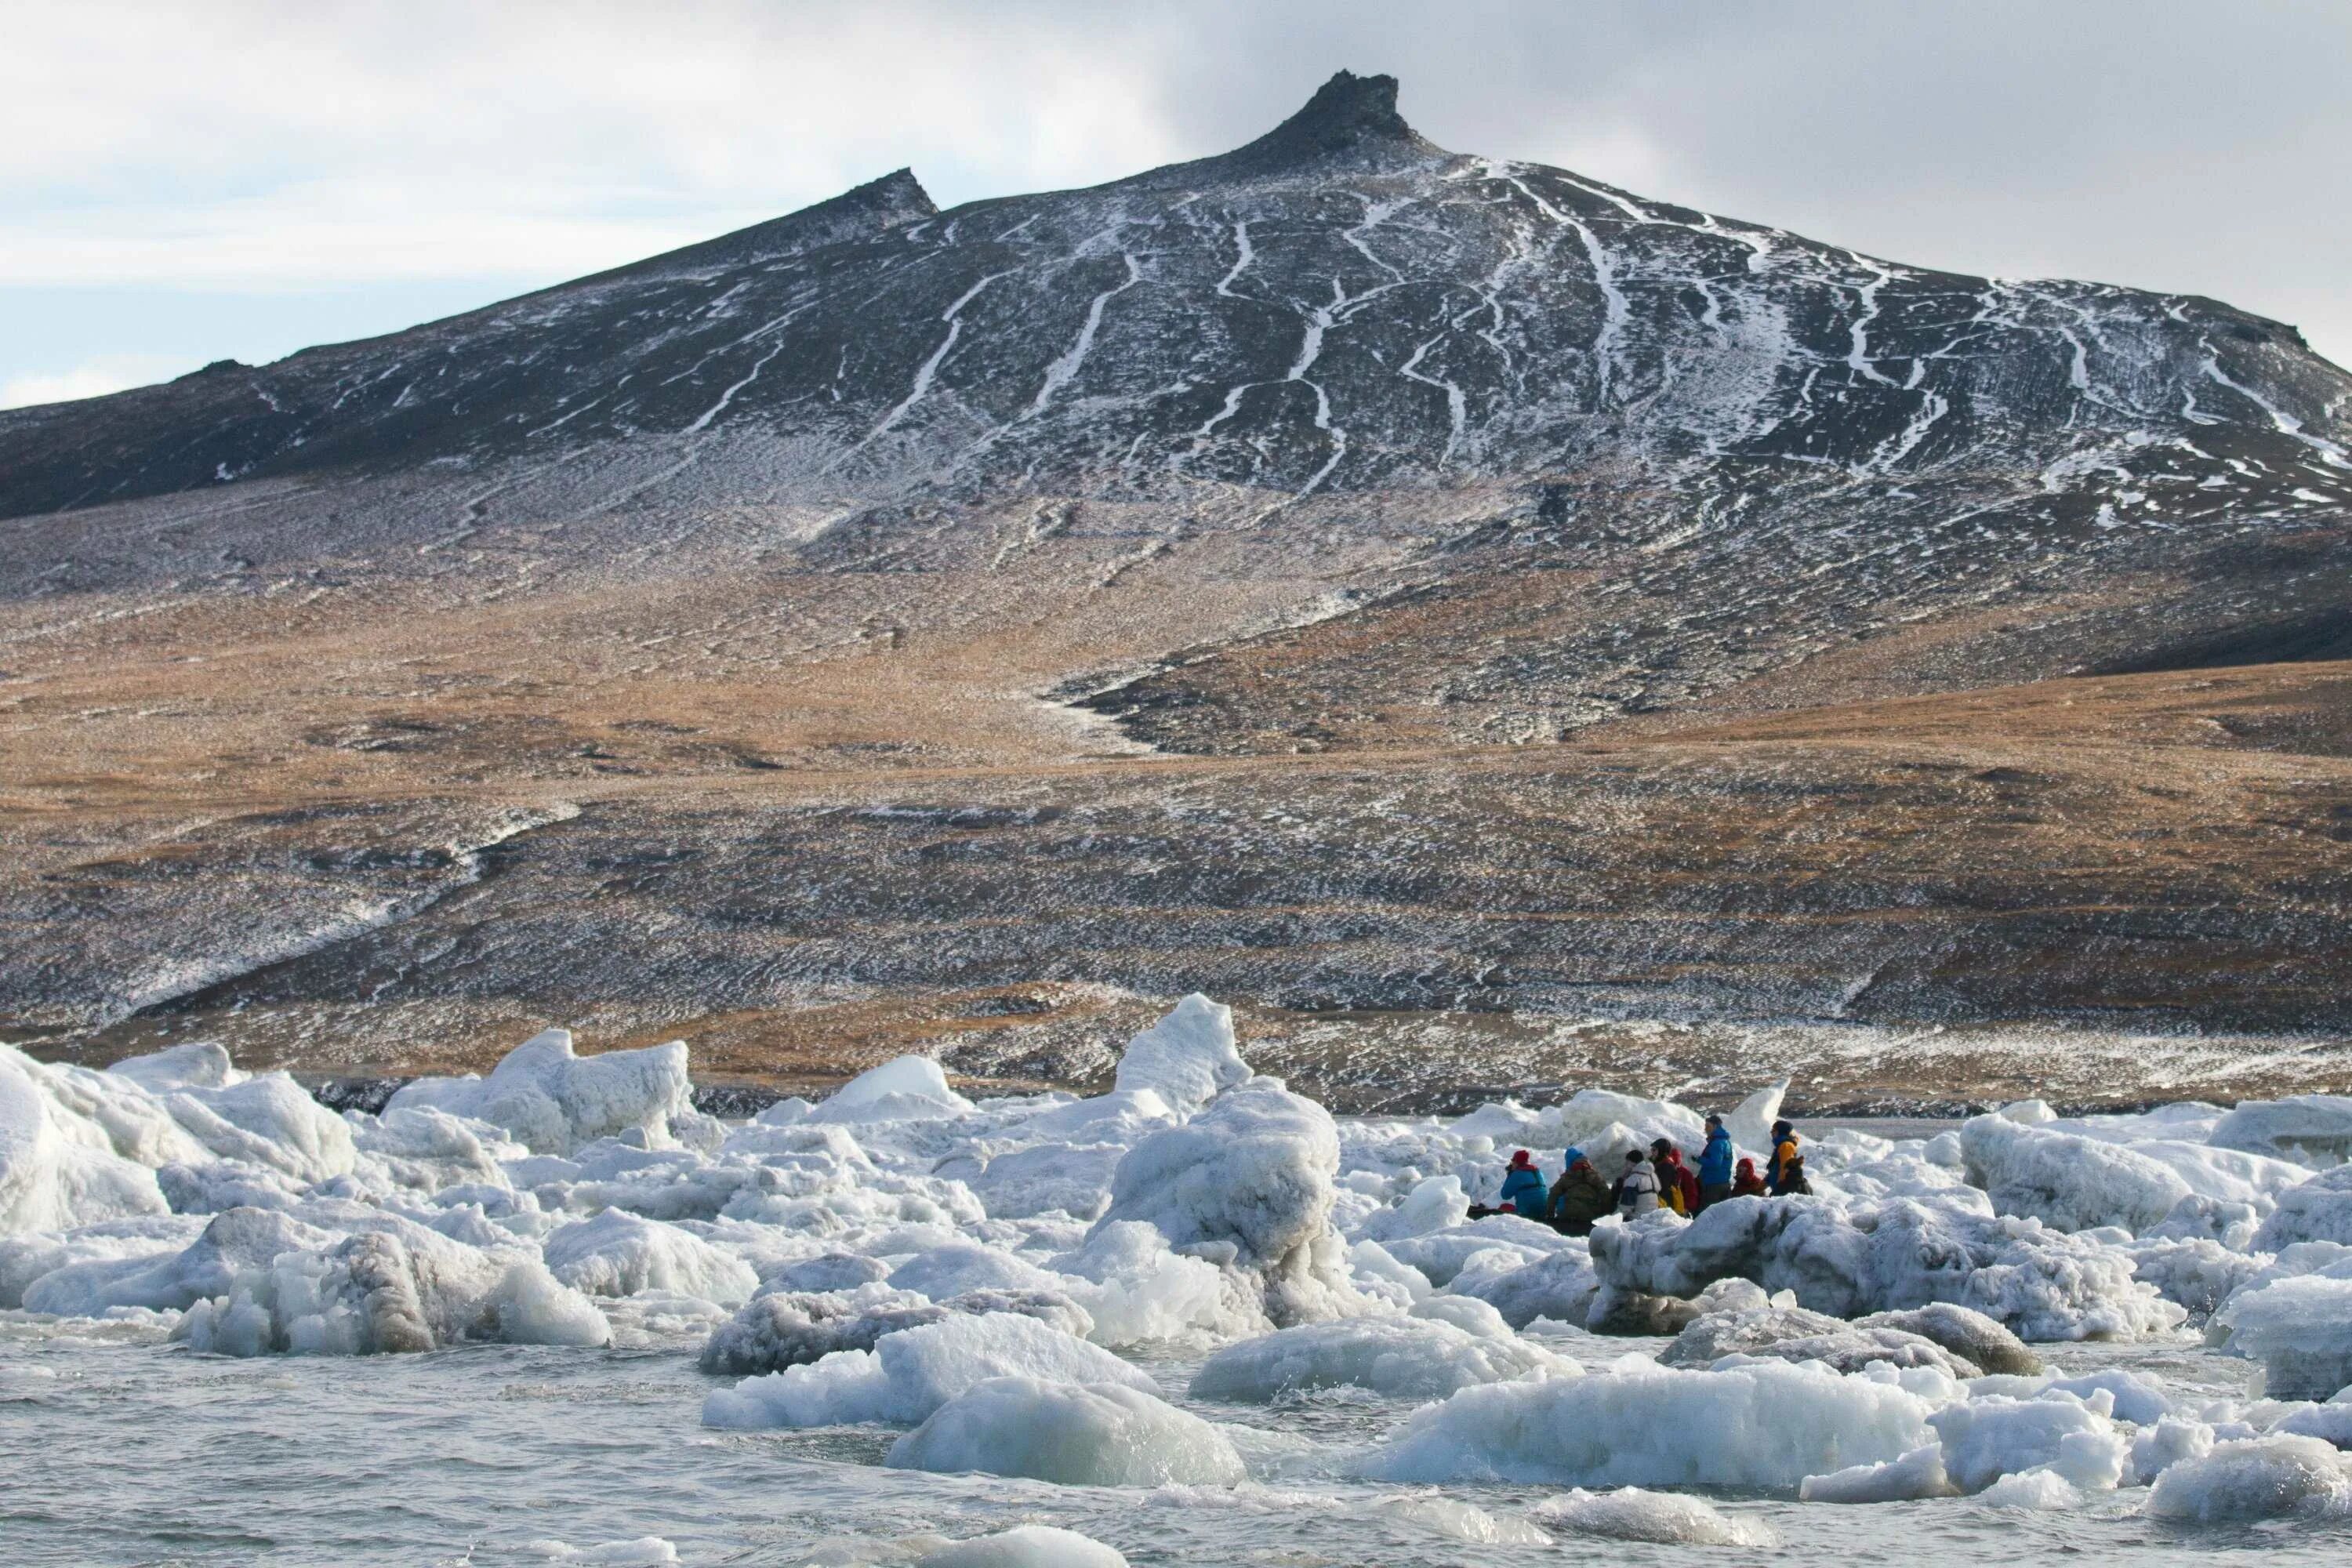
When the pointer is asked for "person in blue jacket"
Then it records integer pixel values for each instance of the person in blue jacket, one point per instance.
(1715, 1164)
(1523, 1186)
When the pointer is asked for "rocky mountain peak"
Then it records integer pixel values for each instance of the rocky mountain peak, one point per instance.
(1350, 123)
(1345, 110)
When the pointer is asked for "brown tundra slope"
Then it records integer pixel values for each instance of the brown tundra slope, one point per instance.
(1497, 630)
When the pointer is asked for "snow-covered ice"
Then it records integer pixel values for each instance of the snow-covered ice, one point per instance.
(1078, 1434)
(1404, 1358)
(552, 1099)
(1630, 1513)
(909, 1374)
(1768, 1425)
(2262, 1477)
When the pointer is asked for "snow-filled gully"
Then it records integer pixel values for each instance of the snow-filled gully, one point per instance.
(1195, 1318)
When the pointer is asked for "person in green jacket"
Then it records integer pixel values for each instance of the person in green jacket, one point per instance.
(1579, 1196)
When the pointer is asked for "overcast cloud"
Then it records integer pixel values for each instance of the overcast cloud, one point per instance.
(182, 182)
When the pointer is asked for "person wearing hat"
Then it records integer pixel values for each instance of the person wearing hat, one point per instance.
(1523, 1186)
(1636, 1192)
(1785, 1173)
(1714, 1165)
(1677, 1186)
(1745, 1182)
(1579, 1196)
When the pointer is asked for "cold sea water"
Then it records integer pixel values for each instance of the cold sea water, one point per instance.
(117, 1447)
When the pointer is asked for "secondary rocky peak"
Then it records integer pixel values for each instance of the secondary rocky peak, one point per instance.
(859, 212)
(897, 197)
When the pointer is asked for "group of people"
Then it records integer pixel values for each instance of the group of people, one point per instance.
(1658, 1179)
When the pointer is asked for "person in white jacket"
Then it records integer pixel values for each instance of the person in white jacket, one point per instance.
(1637, 1189)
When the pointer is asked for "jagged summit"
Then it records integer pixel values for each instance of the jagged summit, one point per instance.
(1351, 124)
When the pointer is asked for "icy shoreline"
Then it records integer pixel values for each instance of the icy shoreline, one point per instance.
(990, 1284)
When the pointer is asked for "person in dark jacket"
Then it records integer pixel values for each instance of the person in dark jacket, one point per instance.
(1676, 1184)
(1523, 1186)
(1714, 1165)
(1579, 1196)
(1746, 1182)
(1784, 1152)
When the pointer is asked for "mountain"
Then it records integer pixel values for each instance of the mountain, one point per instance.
(1433, 600)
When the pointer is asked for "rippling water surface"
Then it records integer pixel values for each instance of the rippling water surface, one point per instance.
(116, 1449)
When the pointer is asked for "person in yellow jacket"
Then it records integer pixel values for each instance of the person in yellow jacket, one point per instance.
(1786, 1172)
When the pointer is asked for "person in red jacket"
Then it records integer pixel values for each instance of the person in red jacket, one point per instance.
(1746, 1182)
(1676, 1176)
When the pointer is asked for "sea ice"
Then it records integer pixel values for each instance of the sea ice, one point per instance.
(959, 1265)
(2034, 1490)
(1024, 1546)
(554, 1100)
(1402, 1358)
(1895, 1254)
(1792, 1333)
(1187, 1058)
(1669, 1519)
(1140, 1291)
(28, 1258)
(233, 1245)
(1766, 1425)
(1048, 1178)
(402, 1288)
(1991, 1436)
(1099, 1435)
(904, 1089)
(620, 1254)
(1964, 1331)
(2301, 1330)
(2313, 1129)
(56, 1177)
(2318, 1210)
(2330, 1422)
(1904, 1478)
(908, 1375)
(2262, 1477)
(1248, 1183)
(645, 1552)
(2066, 1180)
(1561, 1284)
(771, 1332)
(2159, 1447)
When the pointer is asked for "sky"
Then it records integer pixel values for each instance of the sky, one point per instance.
(180, 183)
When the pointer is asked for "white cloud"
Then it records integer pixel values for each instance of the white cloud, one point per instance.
(92, 378)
